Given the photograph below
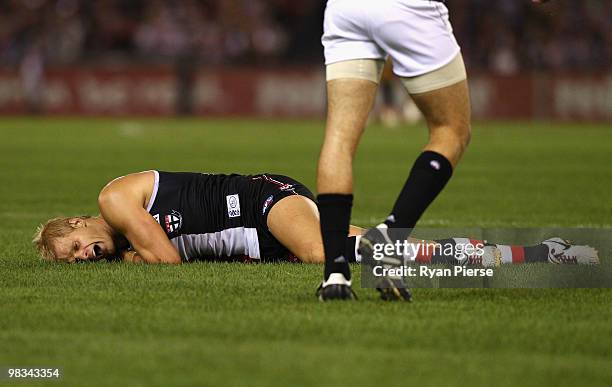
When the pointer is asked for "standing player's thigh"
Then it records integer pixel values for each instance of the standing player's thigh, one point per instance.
(447, 112)
(446, 106)
(294, 222)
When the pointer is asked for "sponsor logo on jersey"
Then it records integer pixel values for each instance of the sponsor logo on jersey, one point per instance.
(156, 217)
(173, 221)
(233, 206)
(267, 203)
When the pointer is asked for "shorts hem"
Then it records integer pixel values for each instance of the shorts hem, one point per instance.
(355, 57)
(430, 69)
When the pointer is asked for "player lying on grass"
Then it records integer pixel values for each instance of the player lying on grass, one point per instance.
(258, 217)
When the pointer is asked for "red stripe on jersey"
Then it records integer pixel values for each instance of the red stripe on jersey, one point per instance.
(476, 242)
(518, 254)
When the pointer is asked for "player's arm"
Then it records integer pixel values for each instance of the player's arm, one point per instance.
(122, 209)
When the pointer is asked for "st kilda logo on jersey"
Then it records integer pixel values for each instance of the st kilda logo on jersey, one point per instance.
(173, 221)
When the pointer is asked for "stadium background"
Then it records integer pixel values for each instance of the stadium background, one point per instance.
(90, 90)
(264, 58)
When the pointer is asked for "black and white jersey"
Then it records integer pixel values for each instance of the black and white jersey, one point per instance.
(210, 215)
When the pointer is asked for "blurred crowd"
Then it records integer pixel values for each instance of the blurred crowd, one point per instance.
(508, 36)
(502, 36)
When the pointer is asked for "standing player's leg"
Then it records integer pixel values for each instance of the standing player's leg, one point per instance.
(418, 37)
(447, 112)
(427, 58)
(349, 103)
(442, 96)
(354, 64)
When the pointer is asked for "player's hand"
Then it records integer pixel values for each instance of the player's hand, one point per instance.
(131, 256)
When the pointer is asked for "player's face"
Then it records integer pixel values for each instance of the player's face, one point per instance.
(90, 242)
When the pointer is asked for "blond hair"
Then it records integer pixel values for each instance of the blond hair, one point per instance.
(48, 232)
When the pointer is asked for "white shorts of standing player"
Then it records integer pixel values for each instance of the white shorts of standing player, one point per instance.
(358, 35)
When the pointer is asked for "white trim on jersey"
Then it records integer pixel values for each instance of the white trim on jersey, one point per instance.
(228, 242)
(154, 193)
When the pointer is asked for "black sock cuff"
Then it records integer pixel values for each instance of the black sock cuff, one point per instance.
(434, 161)
(334, 199)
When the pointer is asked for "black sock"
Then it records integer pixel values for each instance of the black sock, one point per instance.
(335, 212)
(350, 249)
(430, 173)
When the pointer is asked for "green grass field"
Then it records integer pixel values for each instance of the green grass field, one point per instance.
(237, 324)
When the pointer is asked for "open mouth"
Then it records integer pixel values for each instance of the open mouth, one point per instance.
(97, 250)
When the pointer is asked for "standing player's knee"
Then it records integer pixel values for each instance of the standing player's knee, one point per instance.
(455, 134)
(462, 136)
(450, 139)
(465, 135)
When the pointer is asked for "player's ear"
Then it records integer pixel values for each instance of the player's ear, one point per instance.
(76, 222)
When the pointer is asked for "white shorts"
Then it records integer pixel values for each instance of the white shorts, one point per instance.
(416, 34)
